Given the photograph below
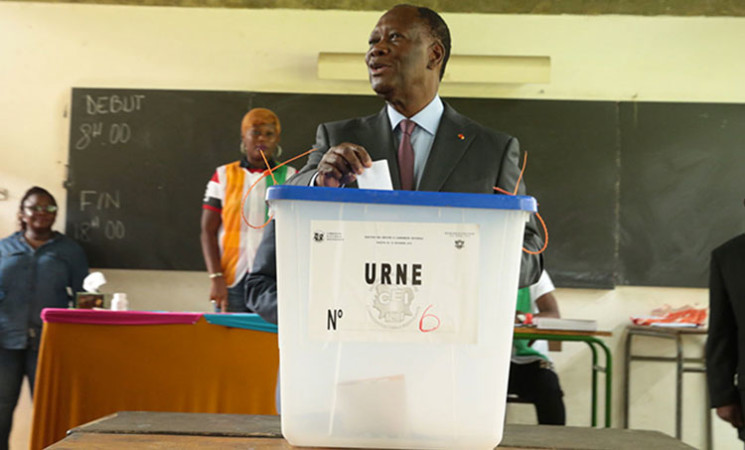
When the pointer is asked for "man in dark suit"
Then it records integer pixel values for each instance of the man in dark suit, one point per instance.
(725, 345)
(428, 145)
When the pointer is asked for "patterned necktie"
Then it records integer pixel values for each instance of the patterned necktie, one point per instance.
(406, 155)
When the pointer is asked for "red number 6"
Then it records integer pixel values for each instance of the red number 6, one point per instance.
(421, 321)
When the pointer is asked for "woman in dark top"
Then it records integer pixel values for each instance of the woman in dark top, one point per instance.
(39, 268)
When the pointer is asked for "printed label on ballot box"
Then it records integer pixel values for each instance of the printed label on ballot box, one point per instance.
(393, 282)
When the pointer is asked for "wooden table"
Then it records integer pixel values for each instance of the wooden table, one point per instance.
(96, 363)
(683, 365)
(592, 339)
(126, 430)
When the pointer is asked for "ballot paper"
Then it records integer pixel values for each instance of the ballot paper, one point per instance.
(376, 177)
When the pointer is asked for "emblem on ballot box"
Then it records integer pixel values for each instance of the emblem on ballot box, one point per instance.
(391, 306)
(321, 236)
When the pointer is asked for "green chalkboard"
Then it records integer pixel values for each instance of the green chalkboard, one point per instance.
(572, 170)
(140, 159)
(682, 189)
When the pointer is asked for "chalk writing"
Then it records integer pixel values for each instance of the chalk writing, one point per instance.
(94, 201)
(115, 230)
(82, 232)
(83, 229)
(113, 104)
(88, 131)
(86, 231)
(99, 200)
(118, 133)
(101, 132)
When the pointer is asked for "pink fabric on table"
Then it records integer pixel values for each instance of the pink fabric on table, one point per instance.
(104, 317)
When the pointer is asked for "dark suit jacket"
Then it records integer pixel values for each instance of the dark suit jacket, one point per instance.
(465, 157)
(725, 345)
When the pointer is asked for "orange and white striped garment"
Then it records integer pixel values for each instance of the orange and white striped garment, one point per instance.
(225, 191)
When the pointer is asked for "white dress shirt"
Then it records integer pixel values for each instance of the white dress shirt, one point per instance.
(427, 121)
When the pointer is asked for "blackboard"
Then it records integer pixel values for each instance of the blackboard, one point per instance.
(682, 189)
(572, 171)
(140, 159)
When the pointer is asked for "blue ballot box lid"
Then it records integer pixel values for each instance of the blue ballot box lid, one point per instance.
(414, 198)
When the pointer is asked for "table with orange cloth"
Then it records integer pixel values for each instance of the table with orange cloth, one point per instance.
(95, 363)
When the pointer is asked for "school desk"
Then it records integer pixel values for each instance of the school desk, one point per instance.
(94, 363)
(592, 339)
(132, 429)
(683, 364)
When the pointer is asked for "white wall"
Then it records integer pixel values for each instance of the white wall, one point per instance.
(45, 49)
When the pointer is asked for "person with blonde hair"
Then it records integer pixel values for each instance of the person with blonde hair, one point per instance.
(231, 221)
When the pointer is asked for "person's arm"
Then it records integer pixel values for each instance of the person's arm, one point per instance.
(547, 306)
(211, 222)
(332, 166)
(261, 286)
(531, 265)
(722, 350)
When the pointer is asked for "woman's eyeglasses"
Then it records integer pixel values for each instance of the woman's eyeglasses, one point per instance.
(41, 208)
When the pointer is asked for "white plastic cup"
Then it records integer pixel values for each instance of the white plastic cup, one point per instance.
(119, 302)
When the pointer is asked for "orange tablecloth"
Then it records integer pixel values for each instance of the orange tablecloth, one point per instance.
(89, 371)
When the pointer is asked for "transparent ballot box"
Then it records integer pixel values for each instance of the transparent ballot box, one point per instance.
(396, 313)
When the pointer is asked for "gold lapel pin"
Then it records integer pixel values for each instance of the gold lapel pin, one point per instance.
(460, 136)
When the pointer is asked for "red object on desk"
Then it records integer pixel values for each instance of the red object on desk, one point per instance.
(683, 317)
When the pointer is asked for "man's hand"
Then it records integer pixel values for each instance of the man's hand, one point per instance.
(219, 293)
(731, 414)
(341, 164)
